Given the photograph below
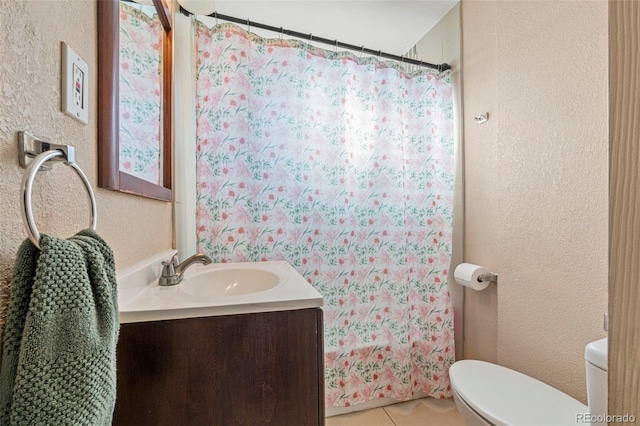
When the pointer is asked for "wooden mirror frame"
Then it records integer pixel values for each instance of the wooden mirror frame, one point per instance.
(109, 174)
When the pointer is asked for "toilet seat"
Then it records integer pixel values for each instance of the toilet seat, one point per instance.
(505, 397)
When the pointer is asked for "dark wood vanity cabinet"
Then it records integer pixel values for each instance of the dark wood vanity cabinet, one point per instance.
(252, 369)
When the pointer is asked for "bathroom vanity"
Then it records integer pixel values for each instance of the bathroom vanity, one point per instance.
(237, 359)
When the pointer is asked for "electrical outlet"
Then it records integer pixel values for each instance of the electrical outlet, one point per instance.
(78, 82)
(75, 81)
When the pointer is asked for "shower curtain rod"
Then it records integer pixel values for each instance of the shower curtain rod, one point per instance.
(336, 43)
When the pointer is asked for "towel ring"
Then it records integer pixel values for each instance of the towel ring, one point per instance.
(27, 186)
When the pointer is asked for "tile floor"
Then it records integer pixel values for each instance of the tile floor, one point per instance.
(419, 412)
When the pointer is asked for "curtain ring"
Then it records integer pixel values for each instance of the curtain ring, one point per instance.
(361, 51)
(281, 33)
(336, 46)
(310, 37)
(248, 26)
(215, 15)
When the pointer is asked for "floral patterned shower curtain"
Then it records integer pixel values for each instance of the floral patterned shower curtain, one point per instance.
(344, 168)
(140, 60)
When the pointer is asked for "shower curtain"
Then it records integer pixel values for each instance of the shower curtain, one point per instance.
(140, 38)
(343, 167)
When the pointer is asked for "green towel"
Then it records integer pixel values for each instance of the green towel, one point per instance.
(59, 349)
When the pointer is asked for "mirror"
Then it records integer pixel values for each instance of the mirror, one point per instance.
(134, 135)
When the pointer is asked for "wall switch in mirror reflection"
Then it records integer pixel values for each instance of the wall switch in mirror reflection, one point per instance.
(75, 82)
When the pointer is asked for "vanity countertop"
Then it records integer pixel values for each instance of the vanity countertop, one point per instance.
(141, 299)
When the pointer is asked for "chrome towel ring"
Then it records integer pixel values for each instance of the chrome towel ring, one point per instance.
(27, 186)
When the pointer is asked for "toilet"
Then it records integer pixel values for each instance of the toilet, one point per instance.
(489, 394)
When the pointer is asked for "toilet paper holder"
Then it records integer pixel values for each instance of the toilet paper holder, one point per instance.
(491, 277)
(475, 277)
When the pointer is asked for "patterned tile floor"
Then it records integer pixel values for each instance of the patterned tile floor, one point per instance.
(420, 412)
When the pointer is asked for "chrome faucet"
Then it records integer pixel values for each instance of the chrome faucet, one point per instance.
(173, 271)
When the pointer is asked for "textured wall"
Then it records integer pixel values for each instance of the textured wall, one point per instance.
(537, 181)
(482, 174)
(30, 37)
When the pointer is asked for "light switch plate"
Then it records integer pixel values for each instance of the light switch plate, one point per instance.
(75, 82)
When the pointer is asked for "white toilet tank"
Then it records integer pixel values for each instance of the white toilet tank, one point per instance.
(595, 355)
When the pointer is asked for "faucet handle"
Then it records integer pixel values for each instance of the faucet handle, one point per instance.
(169, 266)
(172, 262)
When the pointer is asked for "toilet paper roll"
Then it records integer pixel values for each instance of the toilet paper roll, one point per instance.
(467, 274)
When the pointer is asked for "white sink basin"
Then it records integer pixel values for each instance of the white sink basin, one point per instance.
(211, 290)
(233, 281)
